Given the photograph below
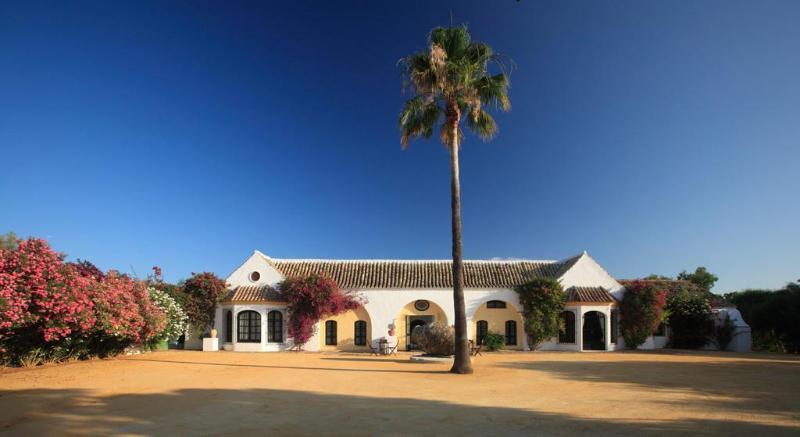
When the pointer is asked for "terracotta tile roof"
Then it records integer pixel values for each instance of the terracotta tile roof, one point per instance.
(588, 294)
(253, 293)
(419, 274)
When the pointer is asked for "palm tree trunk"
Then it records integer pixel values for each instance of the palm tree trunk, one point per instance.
(462, 363)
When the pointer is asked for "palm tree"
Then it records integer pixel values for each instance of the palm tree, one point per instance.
(451, 81)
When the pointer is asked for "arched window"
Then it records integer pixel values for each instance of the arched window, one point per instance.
(495, 304)
(330, 333)
(568, 334)
(511, 333)
(483, 329)
(275, 327)
(249, 324)
(360, 334)
(229, 326)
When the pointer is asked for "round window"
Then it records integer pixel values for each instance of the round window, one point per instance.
(422, 305)
(255, 276)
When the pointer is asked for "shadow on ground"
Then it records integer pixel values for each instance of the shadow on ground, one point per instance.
(264, 411)
(331, 369)
(745, 385)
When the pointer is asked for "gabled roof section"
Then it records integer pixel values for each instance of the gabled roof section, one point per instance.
(253, 293)
(568, 264)
(418, 274)
(588, 294)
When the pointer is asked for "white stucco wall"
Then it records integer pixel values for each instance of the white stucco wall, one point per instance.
(257, 262)
(384, 305)
(586, 272)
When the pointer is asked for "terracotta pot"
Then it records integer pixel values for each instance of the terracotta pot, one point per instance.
(213, 333)
(391, 332)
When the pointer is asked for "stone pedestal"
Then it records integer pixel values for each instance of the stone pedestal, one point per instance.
(210, 344)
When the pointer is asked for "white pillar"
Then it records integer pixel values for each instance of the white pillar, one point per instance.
(607, 329)
(263, 314)
(579, 328)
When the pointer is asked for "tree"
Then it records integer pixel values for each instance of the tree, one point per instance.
(640, 312)
(542, 301)
(772, 316)
(309, 299)
(451, 82)
(653, 276)
(9, 241)
(204, 291)
(701, 277)
(690, 319)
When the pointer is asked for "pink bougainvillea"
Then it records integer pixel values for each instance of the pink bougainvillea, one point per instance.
(641, 311)
(311, 298)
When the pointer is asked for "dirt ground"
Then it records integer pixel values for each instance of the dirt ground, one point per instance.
(182, 392)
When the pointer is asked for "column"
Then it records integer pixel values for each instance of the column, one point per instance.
(579, 328)
(607, 328)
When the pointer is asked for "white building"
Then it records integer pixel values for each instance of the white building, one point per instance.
(402, 294)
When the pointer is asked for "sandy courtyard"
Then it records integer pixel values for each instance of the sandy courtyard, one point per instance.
(181, 392)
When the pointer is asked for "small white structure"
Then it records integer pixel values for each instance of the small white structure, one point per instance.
(742, 337)
(403, 294)
(210, 344)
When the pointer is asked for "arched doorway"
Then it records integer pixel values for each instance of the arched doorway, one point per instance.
(594, 323)
(416, 313)
(415, 322)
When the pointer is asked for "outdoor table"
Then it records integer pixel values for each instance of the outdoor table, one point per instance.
(383, 346)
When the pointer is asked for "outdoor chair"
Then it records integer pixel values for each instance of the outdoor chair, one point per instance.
(475, 351)
(391, 350)
(374, 349)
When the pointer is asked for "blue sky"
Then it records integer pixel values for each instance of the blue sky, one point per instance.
(658, 136)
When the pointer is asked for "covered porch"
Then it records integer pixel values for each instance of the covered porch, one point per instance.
(591, 319)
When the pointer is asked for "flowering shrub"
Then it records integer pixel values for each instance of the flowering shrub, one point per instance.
(176, 318)
(311, 298)
(542, 300)
(204, 291)
(690, 319)
(52, 310)
(87, 269)
(640, 312)
(41, 299)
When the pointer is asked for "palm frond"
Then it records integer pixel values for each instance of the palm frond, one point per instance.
(454, 71)
(454, 40)
(418, 119)
(417, 72)
(482, 123)
(493, 90)
(479, 53)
